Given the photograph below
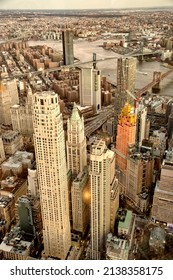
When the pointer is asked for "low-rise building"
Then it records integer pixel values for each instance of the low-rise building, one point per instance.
(18, 163)
(14, 246)
(116, 248)
(6, 211)
(126, 226)
(12, 141)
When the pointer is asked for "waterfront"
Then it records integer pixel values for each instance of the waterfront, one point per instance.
(83, 50)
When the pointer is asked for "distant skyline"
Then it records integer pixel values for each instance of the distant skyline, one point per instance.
(78, 4)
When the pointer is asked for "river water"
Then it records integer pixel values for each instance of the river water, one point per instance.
(83, 50)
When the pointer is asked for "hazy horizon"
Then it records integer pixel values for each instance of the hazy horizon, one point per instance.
(77, 5)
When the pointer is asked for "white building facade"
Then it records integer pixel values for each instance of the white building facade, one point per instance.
(101, 177)
(52, 174)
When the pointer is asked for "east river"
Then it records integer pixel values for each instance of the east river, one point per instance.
(83, 50)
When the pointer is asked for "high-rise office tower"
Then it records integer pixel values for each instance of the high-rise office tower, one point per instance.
(77, 161)
(126, 74)
(163, 195)
(139, 179)
(126, 135)
(28, 214)
(141, 125)
(102, 176)
(90, 87)
(24, 211)
(8, 97)
(80, 193)
(76, 143)
(67, 43)
(52, 173)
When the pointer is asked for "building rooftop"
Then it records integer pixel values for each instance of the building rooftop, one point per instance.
(10, 185)
(4, 201)
(75, 114)
(13, 242)
(10, 135)
(17, 158)
(127, 220)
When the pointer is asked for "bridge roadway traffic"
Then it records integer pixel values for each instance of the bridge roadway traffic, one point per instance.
(99, 120)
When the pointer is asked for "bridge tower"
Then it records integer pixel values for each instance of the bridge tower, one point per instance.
(157, 78)
(141, 57)
(94, 60)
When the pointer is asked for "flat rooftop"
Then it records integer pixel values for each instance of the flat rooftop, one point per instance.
(14, 243)
(126, 223)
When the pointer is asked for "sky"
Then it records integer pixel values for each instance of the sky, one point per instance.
(81, 4)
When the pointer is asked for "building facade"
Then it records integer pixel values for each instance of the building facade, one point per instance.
(21, 116)
(80, 193)
(76, 143)
(52, 174)
(102, 175)
(139, 179)
(90, 87)
(163, 196)
(126, 74)
(8, 97)
(33, 186)
(12, 141)
(67, 43)
(126, 135)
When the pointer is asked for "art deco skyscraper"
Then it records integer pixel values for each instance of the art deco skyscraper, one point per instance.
(102, 178)
(76, 143)
(67, 41)
(52, 174)
(77, 163)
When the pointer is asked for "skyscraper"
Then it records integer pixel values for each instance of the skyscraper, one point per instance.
(90, 87)
(141, 124)
(126, 74)
(67, 41)
(76, 143)
(52, 174)
(81, 201)
(126, 135)
(24, 211)
(163, 195)
(77, 164)
(139, 179)
(102, 176)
